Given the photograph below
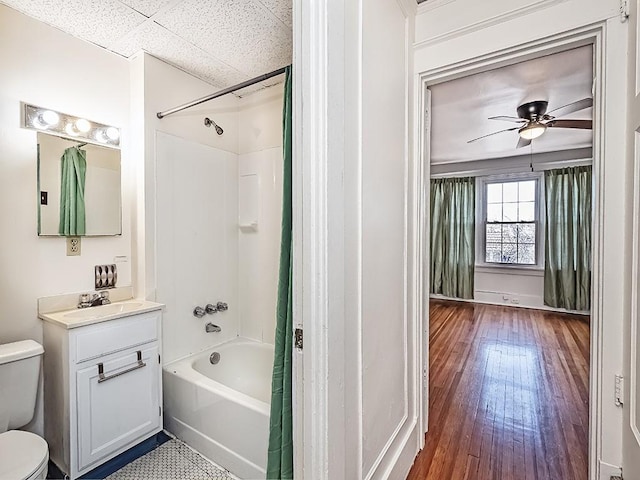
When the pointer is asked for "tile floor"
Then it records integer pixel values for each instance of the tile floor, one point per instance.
(172, 460)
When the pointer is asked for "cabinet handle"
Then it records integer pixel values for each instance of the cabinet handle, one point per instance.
(103, 378)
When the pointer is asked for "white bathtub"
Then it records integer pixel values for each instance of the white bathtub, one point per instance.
(222, 410)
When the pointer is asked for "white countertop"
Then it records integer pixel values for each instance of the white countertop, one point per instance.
(80, 317)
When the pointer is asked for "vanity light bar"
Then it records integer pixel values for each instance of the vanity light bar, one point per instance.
(64, 125)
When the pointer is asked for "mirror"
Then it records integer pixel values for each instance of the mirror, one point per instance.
(91, 204)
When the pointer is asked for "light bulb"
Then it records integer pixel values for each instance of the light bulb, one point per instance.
(83, 125)
(532, 130)
(113, 133)
(71, 130)
(49, 117)
(101, 136)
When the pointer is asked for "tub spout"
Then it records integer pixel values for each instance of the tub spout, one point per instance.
(210, 327)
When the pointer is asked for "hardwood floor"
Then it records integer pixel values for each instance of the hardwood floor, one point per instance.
(508, 394)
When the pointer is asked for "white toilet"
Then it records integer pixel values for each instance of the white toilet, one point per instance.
(23, 455)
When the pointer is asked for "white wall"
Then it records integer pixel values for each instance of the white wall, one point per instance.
(460, 30)
(45, 67)
(197, 242)
(354, 250)
(172, 261)
(260, 148)
(181, 243)
(510, 286)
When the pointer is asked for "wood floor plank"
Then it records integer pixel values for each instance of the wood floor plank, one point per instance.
(508, 394)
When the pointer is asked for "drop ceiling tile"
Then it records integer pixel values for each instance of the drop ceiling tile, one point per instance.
(240, 33)
(281, 9)
(147, 7)
(161, 43)
(97, 21)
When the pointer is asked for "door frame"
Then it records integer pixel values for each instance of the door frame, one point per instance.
(594, 35)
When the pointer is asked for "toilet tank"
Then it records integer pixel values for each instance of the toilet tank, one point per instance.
(19, 374)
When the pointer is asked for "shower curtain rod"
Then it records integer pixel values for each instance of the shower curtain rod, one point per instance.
(221, 92)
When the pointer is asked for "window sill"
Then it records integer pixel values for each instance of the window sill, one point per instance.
(533, 270)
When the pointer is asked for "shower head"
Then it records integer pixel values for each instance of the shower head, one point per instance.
(208, 122)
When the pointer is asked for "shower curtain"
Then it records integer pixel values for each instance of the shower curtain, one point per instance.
(73, 170)
(280, 455)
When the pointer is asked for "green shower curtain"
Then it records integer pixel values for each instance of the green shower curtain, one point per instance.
(73, 170)
(453, 220)
(280, 455)
(567, 266)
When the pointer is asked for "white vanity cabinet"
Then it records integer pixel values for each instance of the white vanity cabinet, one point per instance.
(102, 386)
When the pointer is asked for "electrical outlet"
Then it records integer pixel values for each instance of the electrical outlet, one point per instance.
(73, 246)
(515, 301)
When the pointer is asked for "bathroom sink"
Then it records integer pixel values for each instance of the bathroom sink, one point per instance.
(103, 310)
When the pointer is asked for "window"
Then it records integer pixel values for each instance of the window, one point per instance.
(510, 222)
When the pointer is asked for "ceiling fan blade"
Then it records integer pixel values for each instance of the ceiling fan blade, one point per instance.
(508, 119)
(494, 133)
(583, 124)
(523, 142)
(572, 107)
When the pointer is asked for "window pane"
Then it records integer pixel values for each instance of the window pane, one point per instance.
(494, 212)
(527, 211)
(509, 212)
(510, 192)
(494, 193)
(493, 252)
(509, 253)
(510, 233)
(526, 254)
(527, 191)
(527, 233)
(494, 234)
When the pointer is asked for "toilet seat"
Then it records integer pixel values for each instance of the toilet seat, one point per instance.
(23, 455)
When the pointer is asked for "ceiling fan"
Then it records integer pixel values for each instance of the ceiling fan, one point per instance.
(534, 120)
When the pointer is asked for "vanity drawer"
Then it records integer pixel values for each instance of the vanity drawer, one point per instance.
(101, 339)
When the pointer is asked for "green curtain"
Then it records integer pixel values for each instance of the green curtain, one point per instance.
(280, 455)
(453, 220)
(73, 172)
(567, 269)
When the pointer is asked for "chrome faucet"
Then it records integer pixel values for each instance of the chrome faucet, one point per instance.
(211, 328)
(94, 300)
(199, 312)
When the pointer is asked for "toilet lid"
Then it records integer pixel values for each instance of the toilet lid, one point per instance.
(21, 454)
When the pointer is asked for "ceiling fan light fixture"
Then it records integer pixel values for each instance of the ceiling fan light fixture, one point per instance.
(532, 130)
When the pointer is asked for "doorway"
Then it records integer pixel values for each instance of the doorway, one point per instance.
(504, 357)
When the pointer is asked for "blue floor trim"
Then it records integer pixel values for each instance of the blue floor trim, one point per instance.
(118, 462)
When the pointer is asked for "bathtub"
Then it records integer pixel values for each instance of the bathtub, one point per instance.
(222, 410)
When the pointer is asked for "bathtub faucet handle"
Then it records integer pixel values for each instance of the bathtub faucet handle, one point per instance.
(198, 312)
(222, 307)
(210, 308)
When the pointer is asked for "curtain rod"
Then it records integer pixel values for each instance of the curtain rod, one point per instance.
(221, 92)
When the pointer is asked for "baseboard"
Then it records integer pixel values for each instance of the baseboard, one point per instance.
(484, 302)
(607, 471)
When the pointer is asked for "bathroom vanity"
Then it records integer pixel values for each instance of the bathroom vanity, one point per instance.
(102, 382)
